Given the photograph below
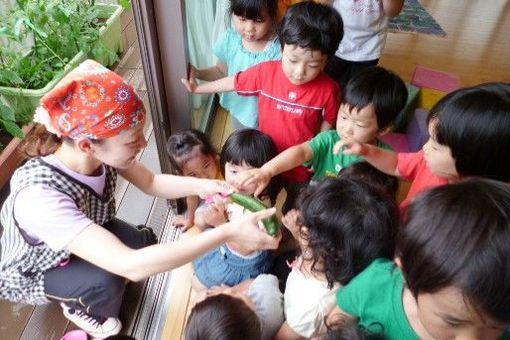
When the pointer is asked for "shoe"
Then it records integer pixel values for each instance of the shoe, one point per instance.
(96, 326)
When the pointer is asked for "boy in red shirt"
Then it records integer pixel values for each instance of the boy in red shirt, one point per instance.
(296, 98)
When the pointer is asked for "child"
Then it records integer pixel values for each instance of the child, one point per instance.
(191, 154)
(60, 240)
(251, 310)
(296, 98)
(453, 280)
(365, 23)
(342, 226)
(233, 263)
(469, 136)
(371, 101)
(251, 40)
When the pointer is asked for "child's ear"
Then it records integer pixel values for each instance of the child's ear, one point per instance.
(398, 261)
(385, 130)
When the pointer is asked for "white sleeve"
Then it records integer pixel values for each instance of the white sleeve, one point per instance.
(49, 216)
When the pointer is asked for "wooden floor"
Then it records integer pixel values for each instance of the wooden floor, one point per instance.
(477, 49)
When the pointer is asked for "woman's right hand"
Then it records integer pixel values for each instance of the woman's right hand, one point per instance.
(248, 232)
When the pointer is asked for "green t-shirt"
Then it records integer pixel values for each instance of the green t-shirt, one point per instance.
(324, 162)
(375, 298)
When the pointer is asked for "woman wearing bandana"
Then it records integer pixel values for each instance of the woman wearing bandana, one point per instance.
(59, 238)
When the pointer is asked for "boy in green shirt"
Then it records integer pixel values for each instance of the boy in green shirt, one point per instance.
(371, 101)
(452, 279)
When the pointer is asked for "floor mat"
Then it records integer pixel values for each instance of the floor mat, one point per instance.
(415, 19)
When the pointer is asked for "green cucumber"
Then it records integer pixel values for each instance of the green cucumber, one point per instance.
(253, 204)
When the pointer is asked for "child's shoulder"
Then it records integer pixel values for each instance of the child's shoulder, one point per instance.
(379, 270)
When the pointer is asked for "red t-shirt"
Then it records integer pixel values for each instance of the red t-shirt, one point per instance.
(412, 167)
(290, 114)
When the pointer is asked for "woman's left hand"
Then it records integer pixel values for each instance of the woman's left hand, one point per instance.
(211, 187)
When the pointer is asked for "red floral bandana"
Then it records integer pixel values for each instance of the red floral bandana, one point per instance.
(92, 102)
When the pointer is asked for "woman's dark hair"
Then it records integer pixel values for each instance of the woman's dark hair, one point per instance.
(458, 236)
(253, 9)
(367, 173)
(380, 87)
(222, 317)
(349, 224)
(251, 147)
(474, 123)
(313, 26)
(180, 145)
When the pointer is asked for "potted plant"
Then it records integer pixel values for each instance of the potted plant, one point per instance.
(41, 41)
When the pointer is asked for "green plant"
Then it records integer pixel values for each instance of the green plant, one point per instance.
(39, 38)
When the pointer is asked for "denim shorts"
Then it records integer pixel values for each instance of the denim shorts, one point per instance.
(221, 266)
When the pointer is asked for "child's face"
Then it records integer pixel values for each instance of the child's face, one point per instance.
(301, 65)
(120, 151)
(447, 314)
(231, 171)
(439, 157)
(200, 165)
(359, 125)
(253, 30)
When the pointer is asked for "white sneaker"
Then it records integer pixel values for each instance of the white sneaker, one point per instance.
(96, 326)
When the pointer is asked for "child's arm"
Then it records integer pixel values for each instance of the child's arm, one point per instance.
(209, 74)
(383, 160)
(338, 317)
(172, 186)
(286, 160)
(221, 85)
(392, 7)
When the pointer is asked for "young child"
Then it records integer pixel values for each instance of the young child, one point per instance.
(60, 240)
(232, 263)
(365, 23)
(252, 309)
(371, 101)
(468, 137)
(191, 154)
(453, 279)
(251, 40)
(296, 98)
(342, 226)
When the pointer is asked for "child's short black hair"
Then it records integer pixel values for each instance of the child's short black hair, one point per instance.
(253, 9)
(458, 236)
(222, 317)
(380, 87)
(367, 173)
(474, 123)
(350, 223)
(180, 145)
(349, 330)
(253, 148)
(313, 26)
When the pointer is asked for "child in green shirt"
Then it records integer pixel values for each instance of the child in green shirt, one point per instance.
(452, 279)
(371, 101)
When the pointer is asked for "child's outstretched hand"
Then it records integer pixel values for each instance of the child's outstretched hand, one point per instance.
(183, 222)
(191, 83)
(291, 221)
(250, 233)
(349, 147)
(257, 175)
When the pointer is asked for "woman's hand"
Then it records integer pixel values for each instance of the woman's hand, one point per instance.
(210, 187)
(248, 232)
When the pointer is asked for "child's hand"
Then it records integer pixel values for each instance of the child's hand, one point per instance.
(257, 175)
(191, 82)
(291, 221)
(348, 146)
(210, 187)
(248, 232)
(183, 222)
